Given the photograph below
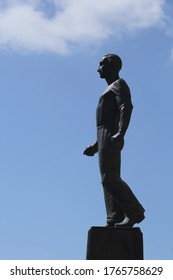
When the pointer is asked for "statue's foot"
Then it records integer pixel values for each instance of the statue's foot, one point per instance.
(129, 222)
(119, 217)
(109, 225)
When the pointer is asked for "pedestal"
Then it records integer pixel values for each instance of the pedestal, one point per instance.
(110, 243)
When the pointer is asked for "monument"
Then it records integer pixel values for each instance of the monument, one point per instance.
(122, 207)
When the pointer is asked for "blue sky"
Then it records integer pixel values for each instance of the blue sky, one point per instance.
(49, 88)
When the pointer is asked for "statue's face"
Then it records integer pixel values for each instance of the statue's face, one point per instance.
(104, 68)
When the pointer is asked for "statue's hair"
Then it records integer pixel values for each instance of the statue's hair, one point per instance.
(114, 59)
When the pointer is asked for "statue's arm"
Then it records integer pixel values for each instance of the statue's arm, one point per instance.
(123, 100)
(125, 116)
(91, 150)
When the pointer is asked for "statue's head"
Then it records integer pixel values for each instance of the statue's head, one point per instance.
(109, 64)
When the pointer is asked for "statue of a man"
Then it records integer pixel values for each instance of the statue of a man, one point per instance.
(113, 117)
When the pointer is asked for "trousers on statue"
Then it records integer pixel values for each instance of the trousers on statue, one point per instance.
(119, 198)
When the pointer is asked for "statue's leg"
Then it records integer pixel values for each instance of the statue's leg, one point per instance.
(119, 198)
(125, 196)
(114, 211)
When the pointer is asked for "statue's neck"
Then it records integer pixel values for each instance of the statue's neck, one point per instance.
(112, 78)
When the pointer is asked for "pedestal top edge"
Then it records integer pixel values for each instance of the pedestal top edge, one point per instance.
(114, 228)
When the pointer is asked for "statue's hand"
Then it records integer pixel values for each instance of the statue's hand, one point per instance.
(117, 141)
(90, 151)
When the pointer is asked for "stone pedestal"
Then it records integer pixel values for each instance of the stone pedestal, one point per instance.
(110, 243)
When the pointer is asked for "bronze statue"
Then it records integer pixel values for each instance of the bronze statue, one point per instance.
(113, 117)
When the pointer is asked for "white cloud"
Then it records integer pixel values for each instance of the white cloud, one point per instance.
(60, 25)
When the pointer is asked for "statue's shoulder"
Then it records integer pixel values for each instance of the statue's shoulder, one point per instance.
(116, 87)
(119, 86)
